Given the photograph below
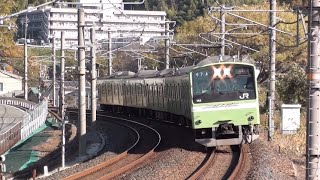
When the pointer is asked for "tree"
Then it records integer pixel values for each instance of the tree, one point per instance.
(292, 85)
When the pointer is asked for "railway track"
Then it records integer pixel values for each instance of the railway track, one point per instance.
(147, 141)
(209, 159)
(233, 160)
(233, 172)
(242, 160)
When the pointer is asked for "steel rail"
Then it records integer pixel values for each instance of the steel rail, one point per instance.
(241, 163)
(209, 159)
(118, 158)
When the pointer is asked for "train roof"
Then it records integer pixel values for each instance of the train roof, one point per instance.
(184, 70)
(122, 74)
(178, 71)
(147, 73)
(221, 59)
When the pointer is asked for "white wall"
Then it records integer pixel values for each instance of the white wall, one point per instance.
(9, 83)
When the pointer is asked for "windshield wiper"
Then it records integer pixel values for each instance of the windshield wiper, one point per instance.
(221, 92)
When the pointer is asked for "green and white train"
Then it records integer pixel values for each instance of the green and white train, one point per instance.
(217, 98)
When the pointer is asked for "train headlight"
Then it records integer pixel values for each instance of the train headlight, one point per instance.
(251, 118)
(203, 131)
(198, 122)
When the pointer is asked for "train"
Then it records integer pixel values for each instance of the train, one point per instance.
(217, 98)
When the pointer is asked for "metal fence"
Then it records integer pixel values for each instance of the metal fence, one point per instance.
(10, 137)
(17, 102)
(35, 117)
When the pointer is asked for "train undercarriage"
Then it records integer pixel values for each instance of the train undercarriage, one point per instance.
(226, 134)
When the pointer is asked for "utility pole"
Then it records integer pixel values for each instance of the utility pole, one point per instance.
(82, 83)
(272, 52)
(93, 79)
(167, 45)
(40, 80)
(54, 70)
(62, 110)
(25, 60)
(313, 113)
(222, 29)
(110, 52)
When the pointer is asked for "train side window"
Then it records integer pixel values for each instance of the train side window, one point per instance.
(142, 89)
(152, 89)
(147, 89)
(178, 91)
(172, 91)
(175, 91)
(166, 90)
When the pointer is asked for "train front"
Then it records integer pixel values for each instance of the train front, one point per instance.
(225, 107)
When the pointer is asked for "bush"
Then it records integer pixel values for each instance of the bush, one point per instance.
(292, 86)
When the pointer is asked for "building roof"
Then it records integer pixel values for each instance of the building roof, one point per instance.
(11, 74)
(34, 90)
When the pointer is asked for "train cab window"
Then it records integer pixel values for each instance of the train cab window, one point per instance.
(235, 84)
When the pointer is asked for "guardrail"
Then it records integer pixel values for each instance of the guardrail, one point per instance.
(35, 117)
(10, 137)
(17, 102)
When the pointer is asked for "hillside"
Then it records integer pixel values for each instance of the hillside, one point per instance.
(186, 10)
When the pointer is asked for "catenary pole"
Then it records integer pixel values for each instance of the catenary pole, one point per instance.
(25, 80)
(82, 90)
(54, 70)
(313, 113)
(93, 79)
(167, 45)
(222, 29)
(62, 110)
(110, 52)
(272, 64)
